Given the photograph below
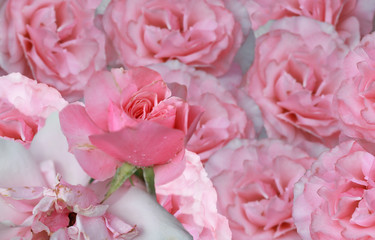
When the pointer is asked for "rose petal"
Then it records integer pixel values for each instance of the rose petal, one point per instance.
(146, 144)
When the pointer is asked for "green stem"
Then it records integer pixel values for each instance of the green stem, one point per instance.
(149, 176)
(124, 172)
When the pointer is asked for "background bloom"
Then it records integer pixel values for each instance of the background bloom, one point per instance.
(297, 69)
(54, 42)
(254, 181)
(354, 102)
(24, 106)
(199, 33)
(351, 19)
(334, 200)
(194, 204)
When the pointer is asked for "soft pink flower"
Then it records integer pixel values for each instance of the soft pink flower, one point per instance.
(130, 116)
(254, 182)
(63, 212)
(222, 119)
(351, 19)
(354, 100)
(24, 106)
(33, 205)
(54, 42)
(202, 33)
(191, 198)
(297, 69)
(335, 199)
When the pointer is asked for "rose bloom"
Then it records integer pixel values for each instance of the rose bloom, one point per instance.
(335, 199)
(297, 69)
(254, 181)
(201, 33)
(222, 119)
(24, 106)
(354, 101)
(54, 42)
(351, 19)
(135, 119)
(34, 205)
(191, 198)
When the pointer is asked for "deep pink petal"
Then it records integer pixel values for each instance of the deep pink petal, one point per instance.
(103, 85)
(141, 76)
(77, 125)
(146, 144)
(96, 163)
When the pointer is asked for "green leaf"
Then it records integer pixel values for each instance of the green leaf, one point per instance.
(149, 177)
(91, 180)
(124, 172)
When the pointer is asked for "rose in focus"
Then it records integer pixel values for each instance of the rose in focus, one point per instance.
(135, 120)
(201, 33)
(54, 42)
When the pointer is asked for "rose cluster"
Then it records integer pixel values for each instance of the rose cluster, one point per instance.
(187, 119)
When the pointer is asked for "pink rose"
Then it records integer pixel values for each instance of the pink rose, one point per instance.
(201, 33)
(24, 106)
(335, 199)
(254, 182)
(222, 119)
(191, 198)
(135, 119)
(54, 42)
(34, 206)
(354, 101)
(351, 19)
(297, 69)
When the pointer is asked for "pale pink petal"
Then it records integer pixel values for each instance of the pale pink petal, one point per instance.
(92, 228)
(194, 205)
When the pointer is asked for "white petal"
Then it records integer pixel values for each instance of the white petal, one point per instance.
(17, 166)
(50, 144)
(136, 207)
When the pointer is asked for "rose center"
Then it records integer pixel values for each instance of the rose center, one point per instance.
(72, 218)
